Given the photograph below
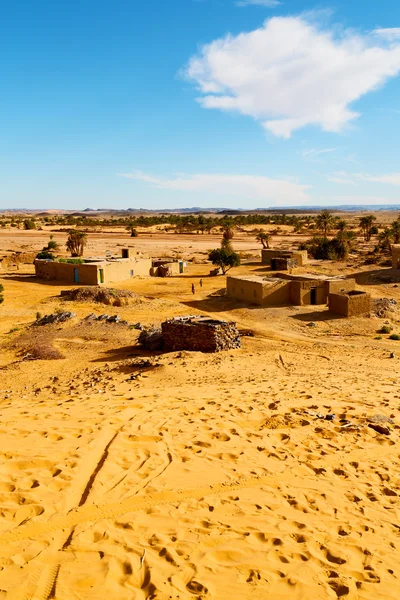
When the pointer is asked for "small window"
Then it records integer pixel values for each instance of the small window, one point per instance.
(254, 293)
(242, 290)
(132, 273)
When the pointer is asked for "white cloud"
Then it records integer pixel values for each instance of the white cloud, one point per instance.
(390, 178)
(291, 73)
(353, 178)
(248, 187)
(341, 177)
(390, 33)
(314, 153)
(267, 3)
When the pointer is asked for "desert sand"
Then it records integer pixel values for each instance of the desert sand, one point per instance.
(182, 475)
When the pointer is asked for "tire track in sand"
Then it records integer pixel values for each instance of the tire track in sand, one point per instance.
(41, 581)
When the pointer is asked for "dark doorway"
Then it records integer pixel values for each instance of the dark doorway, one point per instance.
(313, 296)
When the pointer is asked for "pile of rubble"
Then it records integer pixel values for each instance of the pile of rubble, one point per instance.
(382, 307)
(101, 295)
(106, 318)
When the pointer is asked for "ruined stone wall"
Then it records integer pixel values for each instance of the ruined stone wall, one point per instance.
(350, 304)
(198, 335)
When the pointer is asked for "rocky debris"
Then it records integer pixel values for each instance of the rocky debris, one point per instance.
(379, 428)
(382, 307)
(380, 419)
(101, 295)
(151, 339)
(107, 318)
(311, 324)
(138, 326)
(57, 317)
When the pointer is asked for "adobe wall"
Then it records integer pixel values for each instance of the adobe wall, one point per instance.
(396, 256)
(206, 336)
(58, 271)
(120, 270)
(335, 286)
(114, 271)
(300, 292)
(272, 292)
(276, 293)
(244, 290)
(300, 255)
(350, 304)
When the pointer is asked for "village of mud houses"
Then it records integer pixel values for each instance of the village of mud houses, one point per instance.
(179, 424)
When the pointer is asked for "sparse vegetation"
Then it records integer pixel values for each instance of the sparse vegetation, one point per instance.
(385, 329)
(1, 293)
(29, 224)
(264, 239)
(394, 336)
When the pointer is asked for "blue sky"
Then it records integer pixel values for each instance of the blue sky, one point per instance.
(180, 103)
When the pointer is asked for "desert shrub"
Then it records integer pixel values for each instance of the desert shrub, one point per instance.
(385, 329)
(1, 293)
(38, 316)
(322, 248)
(29, 224)
(45, 255)
(378, 337)
(394, 336)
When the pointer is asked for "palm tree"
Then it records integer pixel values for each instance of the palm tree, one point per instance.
(264, 239)
(366, 224)
(76, 242)
(341, 225)
(227, 236)
(325, 221)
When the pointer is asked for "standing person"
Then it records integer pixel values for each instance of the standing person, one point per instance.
(201, 283)
(193, 289)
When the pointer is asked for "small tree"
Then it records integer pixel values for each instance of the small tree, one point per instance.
(76, 242)
(264, 239)
(224, 259)
(1, 293)
(29, 224)
(132, 230)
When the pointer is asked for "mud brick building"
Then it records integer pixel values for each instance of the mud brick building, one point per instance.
(94, 271)
(350, 304)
